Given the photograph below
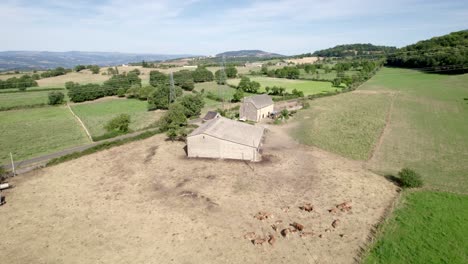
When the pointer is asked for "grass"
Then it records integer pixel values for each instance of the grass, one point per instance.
(427, 227)
(32, 89)
(308, 87)
(219, 90)
(348, 124)
(96, 114)
(326, 76)
(33, 132)
(427, 129)
(102, 146)
(9, 100)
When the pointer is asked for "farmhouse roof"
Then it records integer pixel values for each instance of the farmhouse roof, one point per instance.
(210, 115)
(230, 130)
(259, 101)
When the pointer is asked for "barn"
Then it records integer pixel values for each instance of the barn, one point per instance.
(255, 108)
(223, 138)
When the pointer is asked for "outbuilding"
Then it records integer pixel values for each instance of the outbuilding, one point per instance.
(223, 138)
(255, 108)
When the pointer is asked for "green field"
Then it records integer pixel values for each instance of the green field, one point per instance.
(427, 227)
(426, 131)
(326, 76)
(24, 98)
(96, 114)
(29, 133)
(219, 90)
(308, 87)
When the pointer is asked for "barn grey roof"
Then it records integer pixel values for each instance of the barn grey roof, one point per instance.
(259, 101)
(210, 115)
(230, 130)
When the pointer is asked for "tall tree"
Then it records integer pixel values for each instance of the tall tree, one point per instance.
(158, 78)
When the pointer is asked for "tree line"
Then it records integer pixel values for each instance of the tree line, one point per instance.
(86, 92)
(93, 68)
(55, 72)
(445, 54)
(351, 50)
(20, 83)
(129, 84)
(288, 72)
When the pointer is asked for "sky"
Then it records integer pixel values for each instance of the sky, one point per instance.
(208, 27)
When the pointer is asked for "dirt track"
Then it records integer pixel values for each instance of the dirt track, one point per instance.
(145, 202)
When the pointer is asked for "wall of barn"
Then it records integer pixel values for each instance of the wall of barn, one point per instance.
(204, 146)
(264, 112)
(248, 111)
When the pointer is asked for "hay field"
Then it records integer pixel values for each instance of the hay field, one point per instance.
(33, 132)
(8, 76)
(424, 116)
(348, 124)
(82, 77)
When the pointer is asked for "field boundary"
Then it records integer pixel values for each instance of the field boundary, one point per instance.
(377, 230)
(81, 122)
(384, 130)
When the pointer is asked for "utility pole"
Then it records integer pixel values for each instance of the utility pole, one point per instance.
(222, 79)
(171, 88)
(12, 164)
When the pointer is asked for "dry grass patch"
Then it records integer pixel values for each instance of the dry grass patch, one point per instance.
(151, 202)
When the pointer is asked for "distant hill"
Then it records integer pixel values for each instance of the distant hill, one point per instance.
(354, 50)
(445, 54)
(23, 60)
(248, 53)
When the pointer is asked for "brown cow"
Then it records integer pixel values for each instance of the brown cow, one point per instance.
(297, 226)
(307, 207)
(335, 223)
(271, 240)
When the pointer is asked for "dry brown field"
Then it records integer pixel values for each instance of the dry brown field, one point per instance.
(145, 202)
(304, 60)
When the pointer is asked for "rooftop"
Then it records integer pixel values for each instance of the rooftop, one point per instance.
(230, 130)
(210, 115)
(259, 101)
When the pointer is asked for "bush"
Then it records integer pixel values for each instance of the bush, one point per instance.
(56, 98)
(119, 123)
(193, 104)
(70, 85)
(174, 118)
(409, 178)
(171, 134)
(285, 114)
(121, 92)
(159, 97)
(238, 95)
